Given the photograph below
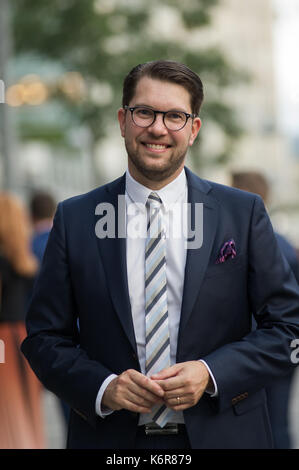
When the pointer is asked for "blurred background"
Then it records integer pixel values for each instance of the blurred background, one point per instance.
(62, 64)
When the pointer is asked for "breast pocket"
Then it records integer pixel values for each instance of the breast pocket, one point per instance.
(221, 269)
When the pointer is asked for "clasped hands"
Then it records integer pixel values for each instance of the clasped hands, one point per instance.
(133, 391)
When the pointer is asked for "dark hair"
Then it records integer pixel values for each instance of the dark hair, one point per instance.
(42, 205)
(251, 181)
(168, 71)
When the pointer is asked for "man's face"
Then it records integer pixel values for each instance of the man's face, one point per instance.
(156, 154)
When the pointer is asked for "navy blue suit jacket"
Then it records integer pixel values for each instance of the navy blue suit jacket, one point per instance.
(80, 327)
(290, 253)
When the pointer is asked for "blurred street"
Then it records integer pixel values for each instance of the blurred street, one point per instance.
(294, 411)
(55, 425)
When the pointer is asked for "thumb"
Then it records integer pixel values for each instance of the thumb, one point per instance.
(166, 373)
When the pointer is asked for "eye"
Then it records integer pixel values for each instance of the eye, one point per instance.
(175, 116)
(143, 113)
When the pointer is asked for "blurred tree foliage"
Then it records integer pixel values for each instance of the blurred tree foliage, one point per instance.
(102, 40)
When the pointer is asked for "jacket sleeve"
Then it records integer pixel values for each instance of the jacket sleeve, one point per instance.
(243, 367)
(52, 345)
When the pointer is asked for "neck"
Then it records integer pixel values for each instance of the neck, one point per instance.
(150, 183)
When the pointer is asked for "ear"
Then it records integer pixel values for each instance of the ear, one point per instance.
(196, 125)
(121, 115)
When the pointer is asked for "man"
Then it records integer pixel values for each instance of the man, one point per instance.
(278, 394)
(148, 338)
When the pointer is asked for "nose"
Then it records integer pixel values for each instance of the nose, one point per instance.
(158, 127)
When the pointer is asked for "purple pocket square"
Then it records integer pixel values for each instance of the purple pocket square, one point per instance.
(227, 251)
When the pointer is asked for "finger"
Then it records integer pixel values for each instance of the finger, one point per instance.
(167, 373)
(152, 396)
(183, 401)
(177, 406)
(140, 402)
(178, 392)
(146, 383)
(137, 408)
(176, 401)
(139, 384)
(125, 392)
(132, 401)
(180, 403)
(171, 384)
(142, 395)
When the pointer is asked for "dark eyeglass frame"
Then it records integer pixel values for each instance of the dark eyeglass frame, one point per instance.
(132, 109)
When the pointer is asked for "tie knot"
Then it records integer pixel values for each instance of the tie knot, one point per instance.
(154, 200)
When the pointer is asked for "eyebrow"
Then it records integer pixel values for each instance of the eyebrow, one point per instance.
(154, 109)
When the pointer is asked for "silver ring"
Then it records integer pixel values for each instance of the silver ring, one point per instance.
(178, 400)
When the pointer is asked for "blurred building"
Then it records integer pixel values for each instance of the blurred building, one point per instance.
(58, 158)
(245, 31)
(62, 172)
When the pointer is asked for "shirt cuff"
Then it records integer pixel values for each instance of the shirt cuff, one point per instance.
(212, 393)
(101, 410)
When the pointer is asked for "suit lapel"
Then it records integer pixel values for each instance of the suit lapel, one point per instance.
(197, 259)
(113, 254)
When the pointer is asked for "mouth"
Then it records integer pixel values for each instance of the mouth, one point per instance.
(157, 148)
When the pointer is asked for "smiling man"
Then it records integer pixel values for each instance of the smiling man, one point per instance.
(149, 338)
(157, 143)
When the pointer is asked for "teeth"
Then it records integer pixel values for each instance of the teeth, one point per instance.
(156, 146)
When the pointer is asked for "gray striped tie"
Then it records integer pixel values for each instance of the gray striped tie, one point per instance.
(156, 313)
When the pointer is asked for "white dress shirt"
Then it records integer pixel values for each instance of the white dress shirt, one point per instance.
(174, 197)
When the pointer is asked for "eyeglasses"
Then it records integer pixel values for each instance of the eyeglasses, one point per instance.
(172, 120)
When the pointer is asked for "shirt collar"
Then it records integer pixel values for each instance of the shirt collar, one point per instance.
(169, 194)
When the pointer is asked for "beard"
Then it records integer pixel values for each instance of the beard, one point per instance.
(155, 172)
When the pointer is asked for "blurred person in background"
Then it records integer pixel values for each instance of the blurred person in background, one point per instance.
(21, 423)
(255, 182)
(42, 209)
(278, 395)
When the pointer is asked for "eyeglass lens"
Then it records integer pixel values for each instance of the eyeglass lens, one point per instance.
(173, 120)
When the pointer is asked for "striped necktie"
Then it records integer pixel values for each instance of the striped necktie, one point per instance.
(156, 312)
